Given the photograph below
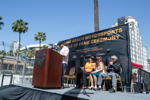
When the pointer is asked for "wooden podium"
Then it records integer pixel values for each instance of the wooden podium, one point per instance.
(47, 69)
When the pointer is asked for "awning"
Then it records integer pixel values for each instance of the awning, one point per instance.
(137, 65)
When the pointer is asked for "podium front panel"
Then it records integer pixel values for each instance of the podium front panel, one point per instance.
(47, 69)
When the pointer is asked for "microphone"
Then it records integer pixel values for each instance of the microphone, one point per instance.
(108, 50)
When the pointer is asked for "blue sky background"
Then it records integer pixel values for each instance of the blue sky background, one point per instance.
(63, 19)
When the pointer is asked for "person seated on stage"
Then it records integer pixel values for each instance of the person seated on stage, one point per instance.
(89, 67)
(99, 70)
(114, 69)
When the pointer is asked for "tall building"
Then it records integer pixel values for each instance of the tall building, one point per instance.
(149, 63)
(14, 46)
(139, 54)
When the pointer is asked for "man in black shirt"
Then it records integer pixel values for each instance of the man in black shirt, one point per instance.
(114, 69)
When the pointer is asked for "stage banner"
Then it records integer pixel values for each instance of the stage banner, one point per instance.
(105, 43)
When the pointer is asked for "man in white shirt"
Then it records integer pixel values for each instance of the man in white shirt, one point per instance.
(65, 53)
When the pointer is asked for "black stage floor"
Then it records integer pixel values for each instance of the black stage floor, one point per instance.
(18, 92)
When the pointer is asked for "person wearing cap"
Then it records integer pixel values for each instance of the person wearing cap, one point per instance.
(114, 69)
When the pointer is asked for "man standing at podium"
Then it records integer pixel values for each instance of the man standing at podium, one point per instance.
(65, 53)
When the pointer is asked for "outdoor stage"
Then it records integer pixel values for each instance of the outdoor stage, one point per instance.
(18, 92)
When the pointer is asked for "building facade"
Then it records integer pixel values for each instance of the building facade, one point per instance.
(14, 46)
(33, 46)
(149, 63)
(139, 54)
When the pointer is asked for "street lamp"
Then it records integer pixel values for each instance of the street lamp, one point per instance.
(96, 15)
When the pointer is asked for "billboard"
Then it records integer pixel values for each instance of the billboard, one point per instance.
(105, 43)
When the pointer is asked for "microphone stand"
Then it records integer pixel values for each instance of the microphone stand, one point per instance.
(84, 92)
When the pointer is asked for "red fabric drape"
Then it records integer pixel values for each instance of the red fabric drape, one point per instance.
(137, 65)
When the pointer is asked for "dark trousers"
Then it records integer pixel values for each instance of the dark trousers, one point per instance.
(81, 80)
(84, 80)
(138, 87)
(147, 87)
(64, 65)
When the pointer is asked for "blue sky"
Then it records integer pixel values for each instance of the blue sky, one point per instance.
(63, 19)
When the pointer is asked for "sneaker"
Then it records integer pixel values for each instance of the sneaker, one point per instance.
(99, 88)
(112, 90)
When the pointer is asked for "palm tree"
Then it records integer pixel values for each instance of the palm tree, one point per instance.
(44, 47)
(30, 54)
(10, 53)
(2, 56)
(1, 23)
(40, 36)
(21, 27)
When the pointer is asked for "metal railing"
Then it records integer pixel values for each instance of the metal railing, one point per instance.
(144, 80)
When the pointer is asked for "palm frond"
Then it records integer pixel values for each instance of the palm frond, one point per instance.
(40, 36)
(20, 26)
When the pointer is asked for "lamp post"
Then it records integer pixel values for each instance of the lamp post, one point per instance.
(96, 15)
